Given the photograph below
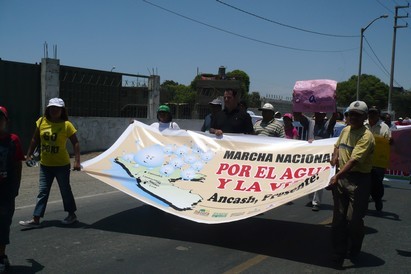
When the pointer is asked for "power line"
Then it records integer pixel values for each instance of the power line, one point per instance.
(243, 36)
(385, 7)
(379, 61)
(285, 25)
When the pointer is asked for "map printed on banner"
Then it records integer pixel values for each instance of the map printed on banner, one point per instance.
(202, 178)
(315, 96)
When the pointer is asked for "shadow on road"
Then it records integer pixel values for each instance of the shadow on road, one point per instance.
(306, 243)
(34, 268)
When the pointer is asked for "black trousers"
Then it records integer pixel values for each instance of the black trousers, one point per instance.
(377, 186)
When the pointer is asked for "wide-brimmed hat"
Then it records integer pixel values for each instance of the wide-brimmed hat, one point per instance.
(267, 106)
(56, 102)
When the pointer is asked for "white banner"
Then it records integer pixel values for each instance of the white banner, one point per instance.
(202, 178)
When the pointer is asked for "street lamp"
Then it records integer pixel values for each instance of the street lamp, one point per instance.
(359, 66)
(113, 68)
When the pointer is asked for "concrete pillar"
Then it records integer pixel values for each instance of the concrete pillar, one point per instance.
(50, 80)
(153, 96)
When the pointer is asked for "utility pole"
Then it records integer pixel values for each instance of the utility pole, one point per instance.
(393, 51)
(359, 66)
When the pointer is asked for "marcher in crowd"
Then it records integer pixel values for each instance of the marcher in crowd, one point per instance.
(323, 129)
(231, 119)
(351, 184)
(382, 134)
(11, 156)
(307, 124)
(51, 133)
(399, 122)
(339, 125)
(215, 106)
(289, 129)
(268, 126)
(388, 122)
(165, 119)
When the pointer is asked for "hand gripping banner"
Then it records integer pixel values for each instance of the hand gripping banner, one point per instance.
(205, 179)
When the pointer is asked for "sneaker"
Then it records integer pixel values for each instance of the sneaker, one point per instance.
(70, 219)
(30, 223)
(4, 264)
(337, 261)
(378, 205)
(315, 208)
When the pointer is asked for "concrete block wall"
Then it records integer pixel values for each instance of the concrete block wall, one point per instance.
(100, 133)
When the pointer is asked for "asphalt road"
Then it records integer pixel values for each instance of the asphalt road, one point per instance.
(118, 234)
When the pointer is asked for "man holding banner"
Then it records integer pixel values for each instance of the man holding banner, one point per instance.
(231, 119)
(351, 184)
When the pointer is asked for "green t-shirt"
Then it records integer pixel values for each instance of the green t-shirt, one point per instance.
(356, 144)
(53, 138)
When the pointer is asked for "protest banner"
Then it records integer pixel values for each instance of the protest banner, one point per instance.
(400, 154)
(206, 179)
(315, 96)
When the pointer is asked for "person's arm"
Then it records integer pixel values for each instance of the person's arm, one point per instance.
(213, 125)
(203, 127)
(17, 174)
(334, 157)
(76, 147)
(249, 127)
(296, 136)
(331, 124)
(217, 132)
(346, 168)
(35, 140)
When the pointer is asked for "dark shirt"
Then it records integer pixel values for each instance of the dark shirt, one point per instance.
(236, 121)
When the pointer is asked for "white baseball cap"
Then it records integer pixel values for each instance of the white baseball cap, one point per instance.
(56, 102)
(359, 107)
(267, 106)
(216, 102)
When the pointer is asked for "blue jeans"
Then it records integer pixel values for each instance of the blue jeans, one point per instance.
(47, 175)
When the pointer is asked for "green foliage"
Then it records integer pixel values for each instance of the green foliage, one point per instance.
(401, 102)
(184, 94)
(173, 92)
(372, 91)
(193, 84)
(253, 100)
(243, 77)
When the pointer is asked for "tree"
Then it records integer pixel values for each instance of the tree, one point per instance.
(184, 94)
(372, 91)
(167, 91)
(243, 77)
(253, 100)
(401, 102)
